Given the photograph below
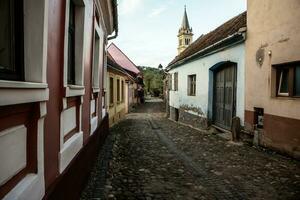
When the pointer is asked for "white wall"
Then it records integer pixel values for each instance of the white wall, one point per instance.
(201, 67)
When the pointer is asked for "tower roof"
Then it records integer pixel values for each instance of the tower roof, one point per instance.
(185, 22)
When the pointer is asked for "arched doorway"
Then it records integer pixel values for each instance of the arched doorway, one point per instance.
(224, 94)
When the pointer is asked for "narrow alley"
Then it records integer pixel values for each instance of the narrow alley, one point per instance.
(147, 156)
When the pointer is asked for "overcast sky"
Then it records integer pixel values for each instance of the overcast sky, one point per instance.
(148, 28)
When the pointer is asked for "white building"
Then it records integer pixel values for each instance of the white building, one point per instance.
(207, 79)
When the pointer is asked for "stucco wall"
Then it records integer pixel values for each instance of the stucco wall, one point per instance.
(117, 109)
(201, 67)
(274, 26)
(274, 31)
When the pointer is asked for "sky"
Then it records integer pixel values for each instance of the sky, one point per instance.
(148, 28)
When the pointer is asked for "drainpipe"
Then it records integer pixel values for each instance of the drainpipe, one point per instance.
(114, 36)
(115, 21)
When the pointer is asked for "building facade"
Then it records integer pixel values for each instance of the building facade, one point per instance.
(119, 96)
(134, 74)
(51, 82)
(210, 73)
(272, 107)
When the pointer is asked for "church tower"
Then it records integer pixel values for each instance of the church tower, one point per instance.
(185, 34)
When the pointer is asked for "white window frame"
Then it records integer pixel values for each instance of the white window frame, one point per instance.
(192, 87)
(78, 88)
(97, 57)
(176, 81)
(34, 88)
(170, 82)
(279, 86)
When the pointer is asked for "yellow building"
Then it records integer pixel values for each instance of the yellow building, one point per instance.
(120, 91)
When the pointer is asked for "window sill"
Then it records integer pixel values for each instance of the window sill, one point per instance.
(96, 90)
(286, 98)
(74, 90)
(22, 85)
(16, 92)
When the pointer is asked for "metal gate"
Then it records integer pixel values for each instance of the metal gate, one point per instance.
(224, 95)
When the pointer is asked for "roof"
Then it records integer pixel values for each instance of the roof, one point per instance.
(185, 22)
(111, 63)
(121, 59)
(227, 29)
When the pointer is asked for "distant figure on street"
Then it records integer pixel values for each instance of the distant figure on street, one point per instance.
(141, 94)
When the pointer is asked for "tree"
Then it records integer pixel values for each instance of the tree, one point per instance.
(153, 79)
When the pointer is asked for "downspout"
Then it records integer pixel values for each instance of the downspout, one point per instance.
(114, 36)
(115, 22)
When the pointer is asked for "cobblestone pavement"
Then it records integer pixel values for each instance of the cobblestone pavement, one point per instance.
(149, 157)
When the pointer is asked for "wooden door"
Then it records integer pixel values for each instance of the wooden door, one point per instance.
(224, 96)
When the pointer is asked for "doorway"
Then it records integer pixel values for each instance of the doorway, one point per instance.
(224, 95)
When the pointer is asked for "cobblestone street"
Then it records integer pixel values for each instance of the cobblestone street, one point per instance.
(147, 156)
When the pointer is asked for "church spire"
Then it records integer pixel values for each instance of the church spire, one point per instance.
(185, 33)
(185, 21)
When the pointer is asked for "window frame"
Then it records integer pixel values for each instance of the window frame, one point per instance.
(111, 91)
(118, 91)
(291, 79)
(77, 87)
(98, 55)
(122, 91)
(71, 43)
(192, 84)
(176, 81)
(16, 26)
(33, 86)
(170, 82)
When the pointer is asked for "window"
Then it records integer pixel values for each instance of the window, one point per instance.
(74, 50)
(118, 90)
(192, 85)
(11, 40)
(176, 81)
(71, 44)
(123, 91)
(98, 55)
(96, 60)
(170, 81)
(288, 80)
(297, 81)
(111, 90)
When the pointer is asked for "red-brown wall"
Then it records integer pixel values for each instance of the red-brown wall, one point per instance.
(279, 133)
(55, 61)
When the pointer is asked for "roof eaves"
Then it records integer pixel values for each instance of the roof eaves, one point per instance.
(210, 49)
(124, 55)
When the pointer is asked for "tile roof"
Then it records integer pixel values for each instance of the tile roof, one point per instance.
(112, 64)
(228, 28)
(121, 59)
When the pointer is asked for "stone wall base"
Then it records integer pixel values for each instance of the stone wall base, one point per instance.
(188, 118)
